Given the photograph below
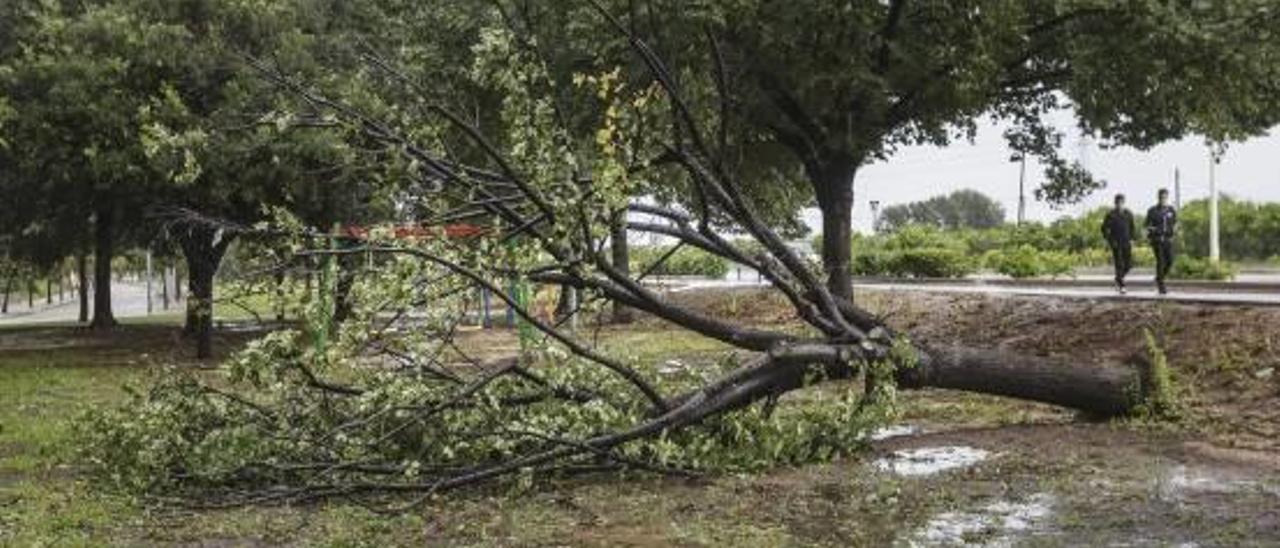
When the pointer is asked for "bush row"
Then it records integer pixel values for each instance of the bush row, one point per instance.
(1028, 252)
(687, 261)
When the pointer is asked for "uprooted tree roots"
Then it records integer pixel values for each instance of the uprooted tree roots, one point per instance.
(389, 401)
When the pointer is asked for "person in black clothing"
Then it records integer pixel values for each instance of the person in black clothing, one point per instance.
(1162, 224)
(1117, 228)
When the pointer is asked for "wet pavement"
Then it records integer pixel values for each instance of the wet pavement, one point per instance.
(128, 300)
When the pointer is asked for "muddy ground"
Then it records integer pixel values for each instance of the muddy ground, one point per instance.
(957, 469)
(1047, 476)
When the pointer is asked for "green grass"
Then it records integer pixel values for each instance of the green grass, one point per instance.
(41, 392)
(46, 501)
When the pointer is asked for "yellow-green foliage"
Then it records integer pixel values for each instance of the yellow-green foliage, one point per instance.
(1159, 397)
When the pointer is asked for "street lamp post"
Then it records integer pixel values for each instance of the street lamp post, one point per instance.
(875, 216)
(1021, 158)
(1215, 157)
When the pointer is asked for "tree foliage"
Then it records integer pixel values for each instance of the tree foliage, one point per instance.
(960, 209)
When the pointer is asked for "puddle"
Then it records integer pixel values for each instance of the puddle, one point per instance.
(928, 461)
(893, 431)
(1178, 481)
(998, 524)
(672, 367)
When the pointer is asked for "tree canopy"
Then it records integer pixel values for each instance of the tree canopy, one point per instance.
(806, 93)
(960, 209)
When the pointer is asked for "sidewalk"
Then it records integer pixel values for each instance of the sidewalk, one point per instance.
(1226, 296)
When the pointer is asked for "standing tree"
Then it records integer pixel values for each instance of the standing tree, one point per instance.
(960, 209)
(814, 90)
(391, 403)
(80, 86)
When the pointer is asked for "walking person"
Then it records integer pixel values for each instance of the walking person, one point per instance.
(1118, 229)
(1162, 224)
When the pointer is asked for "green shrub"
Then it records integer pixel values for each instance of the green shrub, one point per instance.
(1025, 261)
(871, 263)
(914, 263)
(1191, 268)
(688, 261)
(915, 237)
(931, 263)
(1093, 257)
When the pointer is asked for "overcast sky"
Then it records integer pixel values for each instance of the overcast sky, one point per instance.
(1250, 170)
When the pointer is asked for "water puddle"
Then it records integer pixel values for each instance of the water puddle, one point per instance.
(928, 461)
(894, 431)
(1180, 481)
(998, 524)
(672, 367)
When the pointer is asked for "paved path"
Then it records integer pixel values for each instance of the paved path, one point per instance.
(1193, 296)
(1263, 290)
(128, 300)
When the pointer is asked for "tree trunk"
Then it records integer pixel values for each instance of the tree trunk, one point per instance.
(104, 240)
(1101, 390)
(164, 287)
(565, 304)
(203, 250)
(342, 305)
(834, 190)
(8, 286)
(48, 290)
(82, 271)
(280, 297)
(621, 257)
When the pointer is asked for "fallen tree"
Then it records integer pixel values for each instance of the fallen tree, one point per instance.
(392, 401)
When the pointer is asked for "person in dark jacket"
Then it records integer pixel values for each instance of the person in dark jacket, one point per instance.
(1162, 225)
(1118, 229)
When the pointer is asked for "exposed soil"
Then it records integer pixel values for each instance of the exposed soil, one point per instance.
(1020, 473)
(1211, 478)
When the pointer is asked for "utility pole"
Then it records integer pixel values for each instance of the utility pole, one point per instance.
(1215, 156)
(149, 307)
(875, 216)
(1022, 188)
(1177, 189)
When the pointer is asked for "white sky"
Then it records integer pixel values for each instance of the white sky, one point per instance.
(1250, 170)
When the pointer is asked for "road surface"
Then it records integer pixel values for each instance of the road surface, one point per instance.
(128, 300)
(1256, 289)
(1225, 296)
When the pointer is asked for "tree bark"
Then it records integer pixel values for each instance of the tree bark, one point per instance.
(620, 253)
(1101, 390)
(204, 250)
(564, 304)
(104, 241)
(48, 290)
(164, 287)
(280, 304)
(342, 305)
(833, 188)
(82, 271)
(8, 286)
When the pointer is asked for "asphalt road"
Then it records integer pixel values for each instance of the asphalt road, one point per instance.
(1249, 289)
(1193, 296)
(128, 300)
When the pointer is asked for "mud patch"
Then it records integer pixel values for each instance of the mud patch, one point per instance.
(1181, 481)
(927, 461)
(999, 523)
(894, 431)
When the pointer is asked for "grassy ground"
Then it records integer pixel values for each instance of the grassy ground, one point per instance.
(1049, 478)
